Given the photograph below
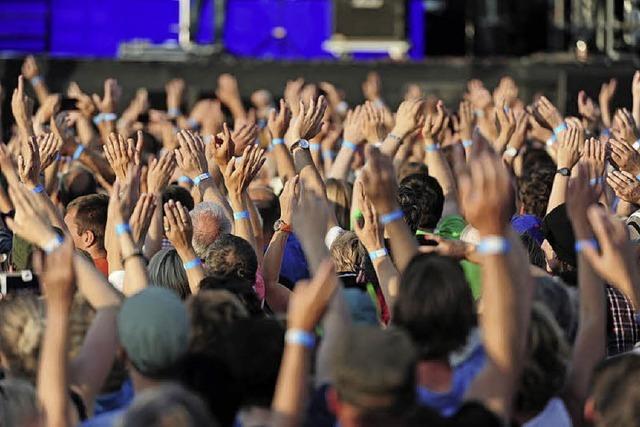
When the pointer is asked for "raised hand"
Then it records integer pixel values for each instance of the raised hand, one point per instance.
(595, 153)
(278, 123)
(293, 93)
(191, 157)
(373, 123)
(486, 195)
(240, 172)
(354, 126)
(625, 185)
(588, 110)
(160, 172)
(177, 225)
(289, 199)
(228, 91)
(568, 149)
(141, 217)
(109, 102)
(175, 90)
(580, 195)
(409, 117)
(466, 121)
(623, 154)
(31, 221)
(121, 153)
(123, 195)
(49, 107)
(21, 106)
(379, 181)
(368, 229)
(434, 124)
(548, 112)
(519, 135)
(307, 122)
(310, 217)
(58, 276)
(30, 68)
(222, 148)
(507, 121)
(309, 300)
(243, 136)
(48, 147)
(626, 129)
(607, 90)
(29, 162)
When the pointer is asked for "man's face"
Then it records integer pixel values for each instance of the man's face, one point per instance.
(70, 221)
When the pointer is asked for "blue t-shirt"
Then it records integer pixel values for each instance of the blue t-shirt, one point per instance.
(106, 419)
(448, 403)
(111, 401)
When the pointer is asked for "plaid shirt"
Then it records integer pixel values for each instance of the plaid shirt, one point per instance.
(622, 329)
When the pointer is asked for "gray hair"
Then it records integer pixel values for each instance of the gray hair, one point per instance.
(166, 271)
(209, 222)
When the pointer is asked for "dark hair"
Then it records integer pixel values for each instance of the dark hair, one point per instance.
(75, 183)
(230, 256)
(536, 254)
(616, 391)
(91, 214)
(422, 200)
(178, 194)
(239, 287)
(166, 270)
(412, 168)
(435, 306)
(534, 189)
(339, 196)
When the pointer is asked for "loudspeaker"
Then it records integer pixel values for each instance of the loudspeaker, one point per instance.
(362, 19)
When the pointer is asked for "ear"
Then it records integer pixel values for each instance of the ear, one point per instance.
(88, 238)
(333, 402)
(590, 410)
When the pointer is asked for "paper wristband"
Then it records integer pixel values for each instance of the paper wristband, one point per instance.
(552, 140)
(328, 154)
(380, 253)
(277, 141)
(606, 132)
(493, 245)
(78, 152)
(193, 123)
(300, 337)
(581, 244)
(38, 189)
(36, 80)
(595, 181)
(559, 129)
(192, 264)
(241, 215)
(174, 112)
(466, 143)
(350, 145)
(122, 228)
(198, 179)
(185, 179)
(431, 148)
(314, 147)
(391, 216)
(53, 244)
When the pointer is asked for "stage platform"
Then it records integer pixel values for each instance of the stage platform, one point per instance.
(558, 76)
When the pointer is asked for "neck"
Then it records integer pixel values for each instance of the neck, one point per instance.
(435, 375)
(96, 252)
(141, 383)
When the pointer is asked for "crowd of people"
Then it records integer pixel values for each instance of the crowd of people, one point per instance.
(303, 262)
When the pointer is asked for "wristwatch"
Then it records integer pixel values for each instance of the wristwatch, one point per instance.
(280, 225)
(511, 152)
(301, 143)
(564, 171)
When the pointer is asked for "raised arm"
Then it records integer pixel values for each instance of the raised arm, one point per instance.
(353, 137)
(567, 156)
(409, 118)
(107, 106)
(278, 123)
(607, 90)
(158, 177)
(31, 72)
(379, 182)
(22, 109)
(486, 195)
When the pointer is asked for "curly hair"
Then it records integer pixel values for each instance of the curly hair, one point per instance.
(421, 198)
(229, 256)
(534, 189)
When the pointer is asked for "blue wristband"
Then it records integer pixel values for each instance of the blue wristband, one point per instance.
(581, 244)
(185, 179)
(78, 152)
(552, 140)
(350, 145)
(595, 181)
(314, 147)
(241, 215)
(122, 228)
(431, 148)
(606, 132)
(36, 80)
(391, 216)
(53, 244)
(493, 245)
(38, 189)
(374, 255)
(300, 337)
(466, 143)
(192, 264)
(173, 112)
(328, 154)
(277, 141)
(193, 123)
(198, 179)
(636, 145)
(560, 128)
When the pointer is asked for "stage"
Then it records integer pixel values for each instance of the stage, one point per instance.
(559, 76)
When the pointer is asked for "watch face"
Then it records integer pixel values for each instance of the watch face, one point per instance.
(511, 152)
(277, 225)
(304, 143)
(564, 171)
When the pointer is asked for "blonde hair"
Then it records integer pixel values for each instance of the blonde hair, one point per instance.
(345, 252)
(339, 194)
(21, 330)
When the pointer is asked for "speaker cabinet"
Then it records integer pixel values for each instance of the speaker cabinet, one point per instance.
(367, 19)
